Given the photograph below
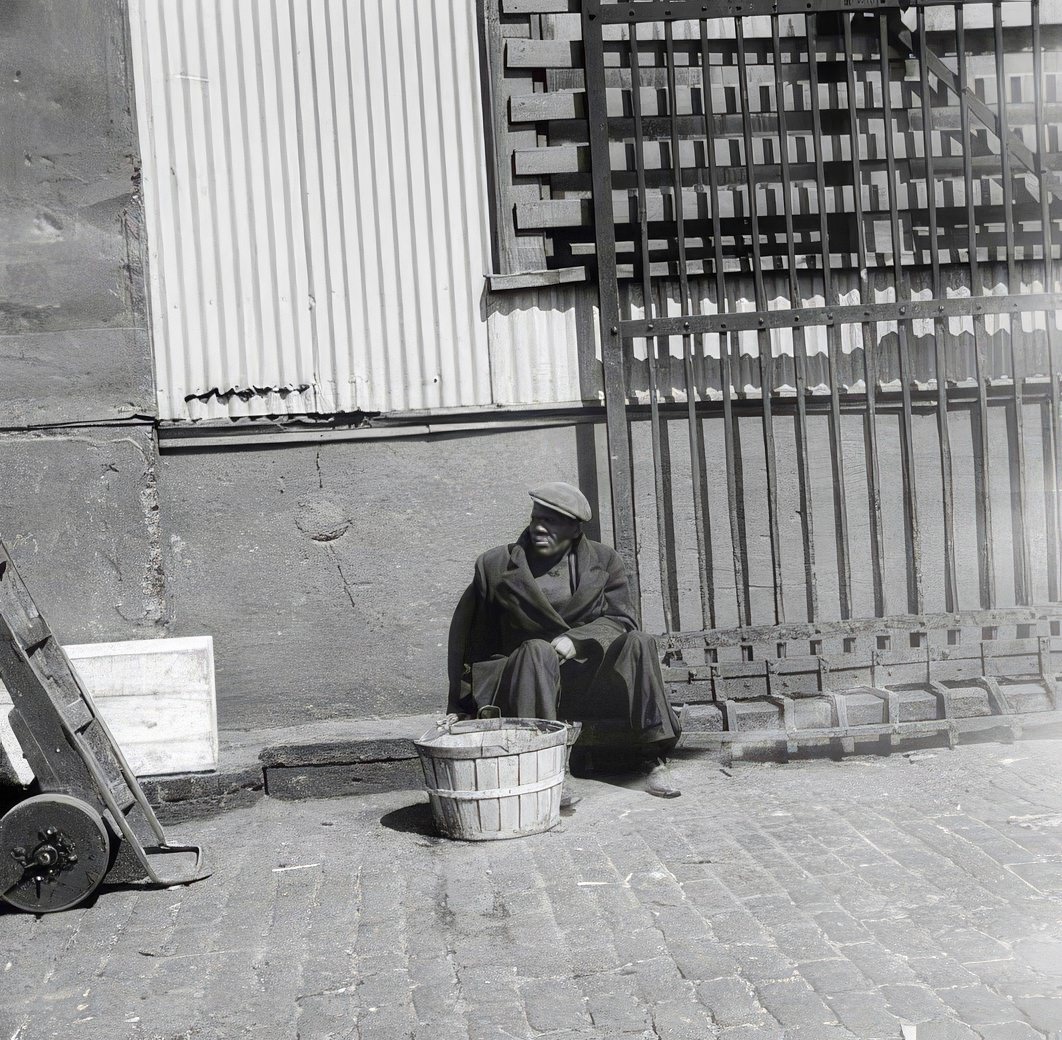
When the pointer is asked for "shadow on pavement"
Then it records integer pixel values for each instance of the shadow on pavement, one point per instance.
(411, 819)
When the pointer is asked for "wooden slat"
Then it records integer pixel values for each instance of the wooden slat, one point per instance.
(557, 104)
(1052, 415)
(763, 337)
(541, 54)
(951, 595)
(515, 7)
(1022, 576)
(565, 158)
(844, 576)
(799, 347)
(621, 478)
(696, 439)
(904, 333)
(661, 487)
(986, 562)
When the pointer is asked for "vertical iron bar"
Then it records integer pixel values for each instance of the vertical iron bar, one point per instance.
(799, 344)
(726, 378)
(904, 335)
(844, 569)
(696, 440)
(763, 336)
(951, 595)
(1023, 566)
(1053, 510)
(619, 447)
(651, 341)
(986, 558)
(869, 346)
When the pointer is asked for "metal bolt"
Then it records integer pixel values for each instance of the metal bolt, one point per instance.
(614, 330)
(759, 321)
(650, 326)
(685, 324)
(829, 317)
(903, 310)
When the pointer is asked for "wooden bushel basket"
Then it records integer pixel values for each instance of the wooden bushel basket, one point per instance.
(494, 778)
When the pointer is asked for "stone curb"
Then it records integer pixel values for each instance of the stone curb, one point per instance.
(316, 760)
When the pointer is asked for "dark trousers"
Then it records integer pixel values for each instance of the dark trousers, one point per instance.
(621, 692)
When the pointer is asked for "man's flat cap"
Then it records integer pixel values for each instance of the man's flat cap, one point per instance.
(563, 498)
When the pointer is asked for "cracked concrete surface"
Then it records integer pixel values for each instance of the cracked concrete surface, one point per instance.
(81, 517)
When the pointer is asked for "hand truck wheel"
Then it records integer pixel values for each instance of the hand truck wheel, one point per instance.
(62, 847)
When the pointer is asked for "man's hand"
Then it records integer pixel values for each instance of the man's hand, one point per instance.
(565, 648)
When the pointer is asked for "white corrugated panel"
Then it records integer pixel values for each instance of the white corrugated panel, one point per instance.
(545, 345)
(317, 213)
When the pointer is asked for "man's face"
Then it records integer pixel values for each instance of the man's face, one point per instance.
(551, 532)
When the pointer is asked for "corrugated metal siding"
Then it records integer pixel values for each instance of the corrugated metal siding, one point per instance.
(545, 345)
(316, 204)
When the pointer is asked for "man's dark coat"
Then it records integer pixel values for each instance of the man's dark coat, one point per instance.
(504, 607)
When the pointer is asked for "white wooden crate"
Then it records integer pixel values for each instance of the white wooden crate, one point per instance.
(156, 695)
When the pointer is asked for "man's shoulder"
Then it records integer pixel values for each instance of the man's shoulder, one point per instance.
(494, 558)
(604, 554)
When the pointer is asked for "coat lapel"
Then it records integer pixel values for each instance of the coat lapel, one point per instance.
(518, 592)
(591, 578)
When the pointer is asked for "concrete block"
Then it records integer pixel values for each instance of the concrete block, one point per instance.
(966, 702)
(201, 786)
(813, 713)
(204, 808)
(743, 716)
(331, 781)
(916, 706)
(865, 709)
(1026, 697)
(341, 751)
(702, 718)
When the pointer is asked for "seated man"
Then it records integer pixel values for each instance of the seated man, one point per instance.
(546, 630)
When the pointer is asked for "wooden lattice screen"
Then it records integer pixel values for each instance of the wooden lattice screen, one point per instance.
(542, 156)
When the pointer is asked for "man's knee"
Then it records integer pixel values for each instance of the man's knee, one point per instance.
(639, 642)
(540, 650)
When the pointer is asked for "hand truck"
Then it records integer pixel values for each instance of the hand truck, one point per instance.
(90, 821)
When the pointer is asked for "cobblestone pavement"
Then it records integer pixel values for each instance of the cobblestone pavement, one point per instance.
(908, 897)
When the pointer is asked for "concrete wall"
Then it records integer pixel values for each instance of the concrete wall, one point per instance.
(78, 509)
(327, 575)
(73, 341)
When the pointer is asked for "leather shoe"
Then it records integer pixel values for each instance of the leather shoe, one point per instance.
(658, 780)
